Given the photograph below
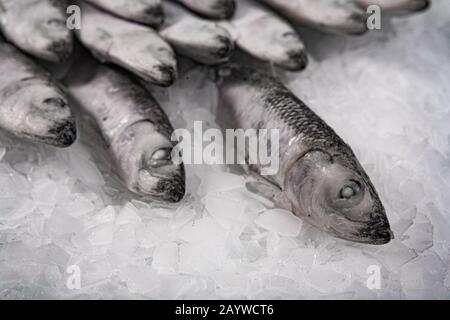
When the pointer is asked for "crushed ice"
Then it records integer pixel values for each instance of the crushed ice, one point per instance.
(387, 94)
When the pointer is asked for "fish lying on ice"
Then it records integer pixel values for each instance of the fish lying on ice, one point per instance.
(320, 179)
(201, 40)
(132, 133)
(335, 16)
(214, 9)
(32, 106)
(134, 47)
(266, 36)
(38, 27)
(143, 11)
(397, 6)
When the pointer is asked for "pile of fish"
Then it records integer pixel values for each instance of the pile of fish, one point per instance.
(124, 45)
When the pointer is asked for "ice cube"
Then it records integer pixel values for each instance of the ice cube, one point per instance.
(280, 221)
(204, 229)
(102, 235)
(128, 215)
(140, 279)
(165, 258)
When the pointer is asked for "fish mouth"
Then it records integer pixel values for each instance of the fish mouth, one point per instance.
(154, 15)
(298, 60)
(226, 47)
(376, 232)
(64, 134)
(169, 188)
(60, 50)
(359, 26)
(227, 9)
(168, 75)
(421, 5)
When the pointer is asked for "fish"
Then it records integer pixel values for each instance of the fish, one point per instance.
(134, 47)
(319, 179)
(214, 9)
(128, 130)
(397, 6)
(332, 16)
(266, 36)
(147, 12)
(203, 41)
(38, 27)
(32, 105)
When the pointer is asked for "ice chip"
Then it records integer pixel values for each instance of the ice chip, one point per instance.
(165, 258)
(280, 221)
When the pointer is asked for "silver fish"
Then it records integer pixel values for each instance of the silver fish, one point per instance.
(143, 11)
(335, 16)
(201, 40)
(32, 106)
(38, 27)
(214, 9)
(132, 133)
(266, 36)
(397, 6)
(320, 179)
(134, 47)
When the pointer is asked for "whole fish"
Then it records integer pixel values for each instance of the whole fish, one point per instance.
(132, 133)
(335, 16)
(201, 40)
(32, 106)
(266, 36)
(320, 179)
(397, 6)
(134, 47)
(38, 27)
(143, 11)
(214, 9)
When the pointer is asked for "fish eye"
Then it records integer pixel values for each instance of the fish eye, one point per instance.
(162, 154)
(350, 190)
(160, 158)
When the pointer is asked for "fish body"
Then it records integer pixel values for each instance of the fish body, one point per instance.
(134, 47)
(214, 9)
(266, 36)
(37, 27)
(32, 105)
(397, 6)
(143, 11)
(131, 133)
(201, 40)
(334, 16)
(320, 179)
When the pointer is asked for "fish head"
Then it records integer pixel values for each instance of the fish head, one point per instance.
(51, 39)
(334, 194)
(154, 174)
(40, 112)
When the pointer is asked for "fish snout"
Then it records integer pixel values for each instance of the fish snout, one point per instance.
(168, 75)
(377, 231)
(166, 187)
(64, 134)
(226, 8)
(298, 60)
(421, 5)
(154, 15)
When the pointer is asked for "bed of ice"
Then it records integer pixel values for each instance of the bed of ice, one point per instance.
(387, 94)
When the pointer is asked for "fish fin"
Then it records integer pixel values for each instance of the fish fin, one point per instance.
(262, 185)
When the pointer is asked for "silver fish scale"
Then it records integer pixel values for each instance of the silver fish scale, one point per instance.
(301, 119)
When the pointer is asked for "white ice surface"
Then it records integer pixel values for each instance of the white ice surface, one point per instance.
(387, 94)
